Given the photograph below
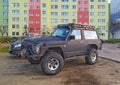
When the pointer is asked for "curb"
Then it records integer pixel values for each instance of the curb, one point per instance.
(110, 59)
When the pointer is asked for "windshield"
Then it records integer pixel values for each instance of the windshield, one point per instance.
(61, 32)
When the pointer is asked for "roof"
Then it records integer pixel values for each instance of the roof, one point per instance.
(77, 26)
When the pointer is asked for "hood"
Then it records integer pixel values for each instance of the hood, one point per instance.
(45, 39)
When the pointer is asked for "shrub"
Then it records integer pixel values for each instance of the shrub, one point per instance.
(5, 39)
(111, 41)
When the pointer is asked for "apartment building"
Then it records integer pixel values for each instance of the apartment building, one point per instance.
(99, 16)
(4, 16)
(34, 17)
(18, 17)
(38, 16)
(83, 11)
(55, 12)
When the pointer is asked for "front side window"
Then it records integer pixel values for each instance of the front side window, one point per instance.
(90, 34)
(77, 34)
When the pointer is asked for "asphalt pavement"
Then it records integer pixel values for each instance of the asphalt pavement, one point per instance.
(110, 51)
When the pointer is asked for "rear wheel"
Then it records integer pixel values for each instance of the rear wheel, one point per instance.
(92, 56)
(52, 63)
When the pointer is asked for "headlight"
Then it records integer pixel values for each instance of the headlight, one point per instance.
(37, 49)
(18, 45)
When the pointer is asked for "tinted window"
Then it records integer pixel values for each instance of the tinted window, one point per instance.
(77, 34)
(90, 34)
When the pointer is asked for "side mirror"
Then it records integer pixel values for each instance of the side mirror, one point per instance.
(71, 37)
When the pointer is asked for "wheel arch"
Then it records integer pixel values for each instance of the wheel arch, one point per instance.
(56, 49)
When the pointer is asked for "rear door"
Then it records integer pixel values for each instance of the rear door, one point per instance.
(75, 46)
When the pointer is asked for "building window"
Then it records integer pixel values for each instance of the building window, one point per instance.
(101, 0)
(54, 6)
(37, 0)
(80, 9)
(73, 20)
(54, 0)
(91, 13)
(25, 11)
(64, 14)
(5, 20)
(31, 14)
(85, 9)
(17, 33)
(25, 4)
(25, 19)
(15, 19)
(102, 34)
(15, 11)
(31, 29)
(37, 22)
(5, 13)
(54, 13)
(86, 2)
(101, 13)
(31, 7)
(44, 19)
(37, 29)
(5, 1)
(13, 33)
(80, 2)
(44, 5)
(64, 6)
(37, 7)
(74, 14)
(101, 20)
(101, 6)
(5, 6)
(80, 16)
(31, 0)
(101, 27)
(64, 20)
(74, 0)
(25, 26)
(85, 23)
(43, 12)
(91, 0)
(86, 16)
(54, 20)
(91, 20)
(31, 21)
(15, 4)
(37, 14)
(74, 6)
(92, 6)
(15, 26)
(65, 0)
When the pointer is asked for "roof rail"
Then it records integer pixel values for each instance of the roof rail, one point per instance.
(79, 26)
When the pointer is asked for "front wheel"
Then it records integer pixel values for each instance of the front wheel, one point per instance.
(52, 63)
(92, 56)
(34, 60)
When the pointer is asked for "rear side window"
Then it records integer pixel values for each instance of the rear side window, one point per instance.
(90, 34)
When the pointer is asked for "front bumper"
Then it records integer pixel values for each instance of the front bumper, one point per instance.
(14, 52)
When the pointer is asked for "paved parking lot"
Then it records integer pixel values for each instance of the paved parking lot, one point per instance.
(110, 51)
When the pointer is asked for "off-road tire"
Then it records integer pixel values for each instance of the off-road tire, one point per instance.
(45, 63)
(92, 56)
(33, 61)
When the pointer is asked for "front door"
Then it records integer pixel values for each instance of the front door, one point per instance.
(75, 46)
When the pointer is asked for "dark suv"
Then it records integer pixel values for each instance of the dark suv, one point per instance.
(66, 42)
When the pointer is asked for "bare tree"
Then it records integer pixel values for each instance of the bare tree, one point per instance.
(114, 27)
